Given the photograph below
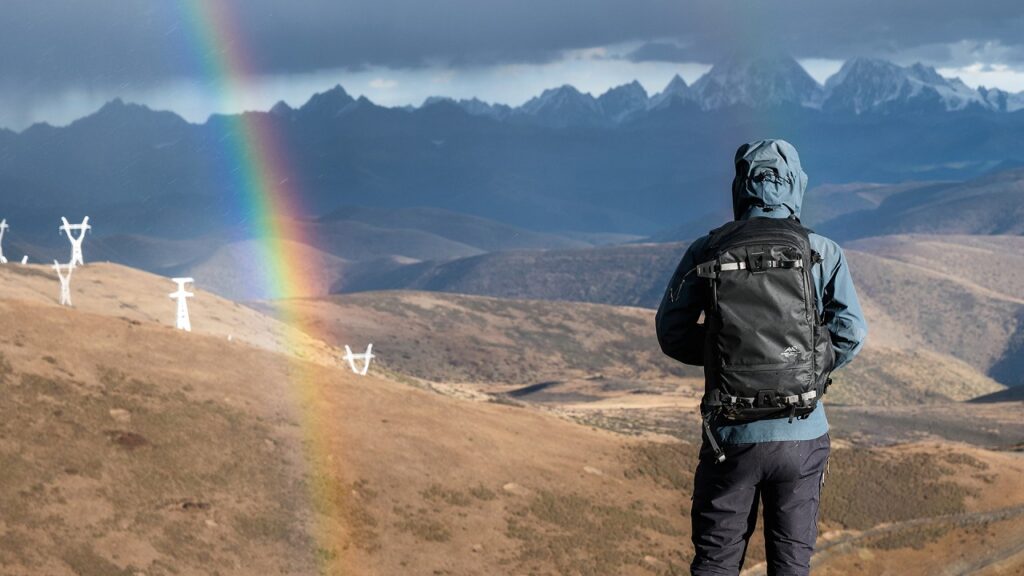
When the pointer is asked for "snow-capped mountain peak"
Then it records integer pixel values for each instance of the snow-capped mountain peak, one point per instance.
(868, 84)
(622, 101)
(564, 96)
(675, 91)
(757, 82)
(563, 106)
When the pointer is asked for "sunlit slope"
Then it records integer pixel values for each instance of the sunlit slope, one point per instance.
(121, 292)
(986, 263)
(955, 308)
(128, 446)
(131, 447)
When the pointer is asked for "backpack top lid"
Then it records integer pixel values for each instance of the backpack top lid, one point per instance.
(769, 176)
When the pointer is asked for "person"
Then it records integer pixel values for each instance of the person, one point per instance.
(778, 461)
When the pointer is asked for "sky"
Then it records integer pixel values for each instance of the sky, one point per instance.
(63, 59)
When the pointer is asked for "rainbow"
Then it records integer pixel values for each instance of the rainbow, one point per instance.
(259, 165)
(270, 204)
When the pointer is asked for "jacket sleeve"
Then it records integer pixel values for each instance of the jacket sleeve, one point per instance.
(679, 333)
(841, 310)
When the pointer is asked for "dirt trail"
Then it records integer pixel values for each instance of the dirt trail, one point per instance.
(981, 567)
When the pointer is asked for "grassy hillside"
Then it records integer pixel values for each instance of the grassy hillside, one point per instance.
(131, 447)
(956, 296)
(141, 448)
(587, 349)
(495, 339)
(987, 263)
(943, 308)
(124, 451)
(139, 297)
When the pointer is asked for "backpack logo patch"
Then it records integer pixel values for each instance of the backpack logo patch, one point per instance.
(790, 353)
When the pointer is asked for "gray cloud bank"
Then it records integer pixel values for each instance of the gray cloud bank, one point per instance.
(62, 44)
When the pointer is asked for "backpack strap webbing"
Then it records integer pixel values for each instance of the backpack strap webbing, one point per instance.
(723, 399)
(712, 268)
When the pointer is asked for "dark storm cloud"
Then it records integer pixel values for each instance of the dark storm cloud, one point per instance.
(660, 52)
(103, 42)
(47, 44)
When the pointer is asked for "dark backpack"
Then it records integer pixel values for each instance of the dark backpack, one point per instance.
(766, 354)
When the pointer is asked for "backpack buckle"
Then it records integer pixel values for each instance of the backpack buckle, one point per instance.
(708, 269)
(757, 263)
(765, 399)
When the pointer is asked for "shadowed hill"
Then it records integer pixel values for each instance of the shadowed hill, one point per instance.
(1015, 394)
(355, 240)
(828, 201)
(481, 233)
(992, 204)
(239, 270)
(334, 251)
(628, 275)
(822, 204)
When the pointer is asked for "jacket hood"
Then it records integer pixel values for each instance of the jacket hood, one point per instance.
(768, 176)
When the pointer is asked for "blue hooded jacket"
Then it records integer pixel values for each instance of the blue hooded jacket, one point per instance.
(769, 183)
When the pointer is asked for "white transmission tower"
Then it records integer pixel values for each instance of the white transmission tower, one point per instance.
(76, 242)
(181, 294)
(365, 357)
(65, 281)
(3, 228)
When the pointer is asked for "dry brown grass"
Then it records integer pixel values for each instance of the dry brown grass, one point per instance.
(865, 488)
(579, 535)
(496, 340)
(668, 464)
(83, 478)
(893, 377)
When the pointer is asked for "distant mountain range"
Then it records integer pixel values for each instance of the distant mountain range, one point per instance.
(564, 162)
(862, 85)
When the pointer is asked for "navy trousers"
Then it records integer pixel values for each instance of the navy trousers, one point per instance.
(786, 476)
